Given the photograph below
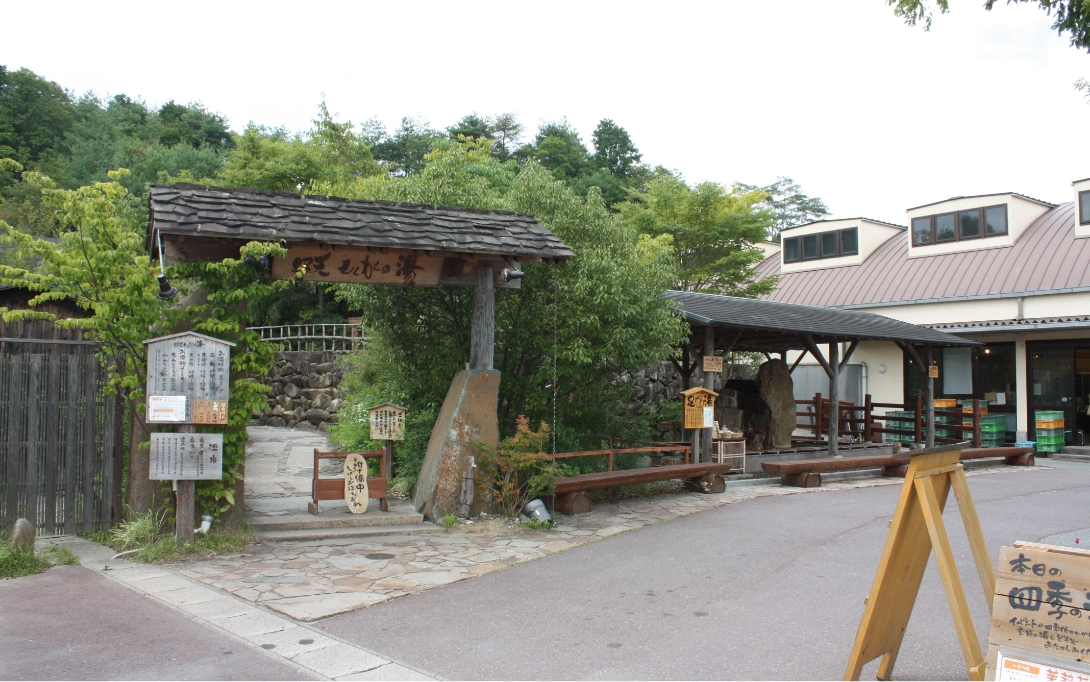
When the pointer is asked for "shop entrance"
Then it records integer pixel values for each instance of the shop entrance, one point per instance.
(1059, 379)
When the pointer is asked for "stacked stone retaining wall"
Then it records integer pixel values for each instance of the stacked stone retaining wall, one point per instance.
(305, 391)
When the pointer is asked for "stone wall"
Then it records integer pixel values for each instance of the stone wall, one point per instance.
(306, 391)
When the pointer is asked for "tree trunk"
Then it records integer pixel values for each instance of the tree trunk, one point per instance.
(142, 493)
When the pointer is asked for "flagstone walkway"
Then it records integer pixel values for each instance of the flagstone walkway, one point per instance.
(308, 580)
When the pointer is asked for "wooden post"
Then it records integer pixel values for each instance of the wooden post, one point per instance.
(389, 468)
(930, 401)
(34, 390)
(868, 418)
(817, 415)
(183, 512)
(976, 423)
(483, 329)
(834, 398)
(709, 383)
(917, 420)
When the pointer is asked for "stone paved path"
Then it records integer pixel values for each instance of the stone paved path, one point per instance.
(279, 462)
(314, 579)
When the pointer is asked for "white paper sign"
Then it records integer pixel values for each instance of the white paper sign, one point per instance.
(186, 456)
(1018, 669)
(166, 409)
(709, 417)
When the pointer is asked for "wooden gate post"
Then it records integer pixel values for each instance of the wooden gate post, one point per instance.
(834, 398)
(483, 324)
(185, 503)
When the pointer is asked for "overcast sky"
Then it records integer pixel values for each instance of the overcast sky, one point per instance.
(867, 113)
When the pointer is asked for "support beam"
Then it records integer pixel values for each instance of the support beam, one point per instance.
(797, 361)
(848, 354)
(930, 401)
(813, 349)
(910, 350)
(834, 398)
(709, 383)
(483, 329)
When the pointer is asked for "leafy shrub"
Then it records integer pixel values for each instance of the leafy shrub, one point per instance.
(449, 521)
(518, 470)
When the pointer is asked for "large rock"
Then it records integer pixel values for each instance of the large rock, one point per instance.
(291, 391)
(321, 401)
(316, 416)
(22, 537)
(774, 382)
(467, 419)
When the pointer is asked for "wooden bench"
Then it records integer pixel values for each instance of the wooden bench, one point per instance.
(571, 491)
(806, 473)
(333, 488)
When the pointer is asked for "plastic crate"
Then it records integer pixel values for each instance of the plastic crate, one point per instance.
(1050, 441)
(1041, 433)
(1050, 447)
(1025, 444)
(1050, 423)
(1048, 414)
(945, 403)
(997, 443)
(994, 419)
(969, 403)
(969, 410)
(994, 428)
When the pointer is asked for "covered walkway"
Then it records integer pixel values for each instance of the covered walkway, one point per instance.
(723, 324)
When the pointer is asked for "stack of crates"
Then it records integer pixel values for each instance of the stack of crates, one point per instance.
(906, 422)
(946, 404)
(1050, 430)
(993, 429)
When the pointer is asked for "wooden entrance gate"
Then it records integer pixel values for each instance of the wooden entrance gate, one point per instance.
(56, 443)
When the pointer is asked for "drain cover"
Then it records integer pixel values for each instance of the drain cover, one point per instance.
(377, 556)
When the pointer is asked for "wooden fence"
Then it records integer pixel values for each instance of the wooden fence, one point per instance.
(339, 338)
(862, 422)
(56, 443)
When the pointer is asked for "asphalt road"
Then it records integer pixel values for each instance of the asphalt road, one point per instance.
(70, 623)
(770, 588)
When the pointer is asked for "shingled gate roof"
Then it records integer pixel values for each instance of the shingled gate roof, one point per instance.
(200, 211)
(773, 326)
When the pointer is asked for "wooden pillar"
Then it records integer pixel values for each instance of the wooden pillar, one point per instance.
(868, 418)
(976, 423)
(483, 329)
(834, 398)
(930, 401)
(183, 512)
(817, 415)
(709, 383)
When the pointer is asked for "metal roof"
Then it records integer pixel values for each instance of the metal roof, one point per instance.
(981, 196)
(1046, 258)
(770, 325)
(215, 213)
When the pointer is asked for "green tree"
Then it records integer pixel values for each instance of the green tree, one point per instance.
(1072, 16)
(596, 316)
(471, 125)
(613, 149)
(712, 230)
(403, 152)
(559, 149)
(35, 115)
(193, 125)
(787, 203)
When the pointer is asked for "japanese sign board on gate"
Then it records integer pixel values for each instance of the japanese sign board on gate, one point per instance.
(336, 263)
(186, 456)
(1042, 607)
(188, 379)
(387, 422)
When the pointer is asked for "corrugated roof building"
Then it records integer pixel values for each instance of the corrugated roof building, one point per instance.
(1005, 269)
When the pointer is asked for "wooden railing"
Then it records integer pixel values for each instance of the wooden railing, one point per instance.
(609, 454)
(338, 338)
(869, 426)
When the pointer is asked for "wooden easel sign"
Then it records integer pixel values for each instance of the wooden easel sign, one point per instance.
(916, 529)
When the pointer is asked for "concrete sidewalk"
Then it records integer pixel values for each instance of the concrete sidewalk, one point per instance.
(160, 625)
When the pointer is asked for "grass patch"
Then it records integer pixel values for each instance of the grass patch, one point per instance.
(19, 562)
(535, 524)
(449, 521)
(150, 536)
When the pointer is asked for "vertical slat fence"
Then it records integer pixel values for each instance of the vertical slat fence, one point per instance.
(56, 443)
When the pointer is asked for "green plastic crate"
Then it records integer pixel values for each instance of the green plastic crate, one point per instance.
(969, 403)
(1050, 432)
(1050, 447)
(1046, 415)
(994, 428)
(1057, 441)
(994, 419)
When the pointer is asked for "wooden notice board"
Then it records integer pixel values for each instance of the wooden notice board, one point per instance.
(189, 372)
(699, 407)
(713, 363)
(1042, 605)
(917, 528)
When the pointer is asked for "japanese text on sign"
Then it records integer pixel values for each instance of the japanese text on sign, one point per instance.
(387, 422)
(186, 456)
(332, 263)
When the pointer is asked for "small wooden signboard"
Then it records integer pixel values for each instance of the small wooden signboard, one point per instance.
(355, 483)
(1041, 610)
(916, 528)
(713, 363)
(387, 422)
(933, 372)
(699, 407)
(186, 456)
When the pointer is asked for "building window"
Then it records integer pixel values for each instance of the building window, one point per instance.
(989, 221)
(1084, 208)
(790, 250)
(832, 244)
